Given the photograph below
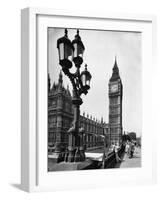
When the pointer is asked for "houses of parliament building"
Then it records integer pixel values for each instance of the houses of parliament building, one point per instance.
(60, 116)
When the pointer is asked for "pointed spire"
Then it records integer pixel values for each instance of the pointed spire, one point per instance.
(115, 67)
(60, 78)
(115, 74)
(49, 84)
(53, 88)
(102, 120)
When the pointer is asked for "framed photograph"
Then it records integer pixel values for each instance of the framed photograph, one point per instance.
(86, 99)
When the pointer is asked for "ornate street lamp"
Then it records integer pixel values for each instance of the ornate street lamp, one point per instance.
(78, 50)
(85, 78)
(65, 49)
(68, 52)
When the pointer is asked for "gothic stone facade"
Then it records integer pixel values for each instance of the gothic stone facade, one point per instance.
(60, 117)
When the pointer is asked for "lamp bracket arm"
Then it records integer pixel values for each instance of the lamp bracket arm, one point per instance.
(72, 77)
(82, 91)
(79, 78)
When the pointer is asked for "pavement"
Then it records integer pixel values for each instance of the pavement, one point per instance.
(130, 162)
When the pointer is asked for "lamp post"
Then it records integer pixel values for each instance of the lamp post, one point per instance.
(69, 53)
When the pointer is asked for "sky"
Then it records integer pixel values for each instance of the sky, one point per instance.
(101, 48)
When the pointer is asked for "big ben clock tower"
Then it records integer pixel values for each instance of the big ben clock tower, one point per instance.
(115, 106)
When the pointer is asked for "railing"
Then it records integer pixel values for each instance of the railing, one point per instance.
(110, 161)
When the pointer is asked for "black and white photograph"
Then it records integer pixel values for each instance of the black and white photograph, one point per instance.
(94, 99)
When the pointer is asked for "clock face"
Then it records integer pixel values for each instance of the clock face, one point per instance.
(114, 88)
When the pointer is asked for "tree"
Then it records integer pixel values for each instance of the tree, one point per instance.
(132, 135)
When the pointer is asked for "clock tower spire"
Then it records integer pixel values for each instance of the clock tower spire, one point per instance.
(115, 105)
(115, 74)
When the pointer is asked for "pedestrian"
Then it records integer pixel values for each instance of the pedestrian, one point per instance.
(132, 149)
(112, 147)
(127, 147)
(116, 149)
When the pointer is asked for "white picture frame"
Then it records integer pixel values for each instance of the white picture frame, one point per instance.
(33, 175)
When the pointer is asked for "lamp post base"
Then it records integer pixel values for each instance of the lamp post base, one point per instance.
(70, 156)
(82, 154)
(77, 156)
